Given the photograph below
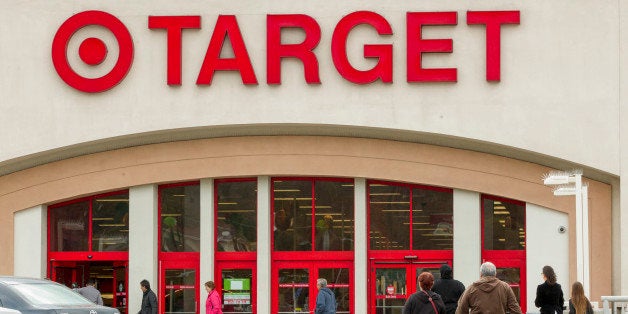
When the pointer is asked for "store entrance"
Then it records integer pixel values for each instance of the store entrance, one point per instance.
(294, 285)
(111, 279)
(392, 282)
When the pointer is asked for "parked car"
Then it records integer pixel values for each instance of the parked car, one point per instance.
(37, 296)
(8, 311)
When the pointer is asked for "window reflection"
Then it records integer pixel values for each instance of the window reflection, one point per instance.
(422, 217)
(294, 291)
(389, 206)
(180, 218)
(306, 208)
(334, 216)
(110, 223)
(504, 225)
(180, 294)
(338, 282)
(237, 216)
(69, 225)
(432, 220)
(511, 276)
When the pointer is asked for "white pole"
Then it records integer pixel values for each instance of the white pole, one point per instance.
(579, 231)
(585, 237)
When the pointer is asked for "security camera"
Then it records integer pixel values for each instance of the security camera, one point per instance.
(562, 229)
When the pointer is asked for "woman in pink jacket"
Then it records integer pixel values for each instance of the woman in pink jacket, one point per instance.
(212, 305)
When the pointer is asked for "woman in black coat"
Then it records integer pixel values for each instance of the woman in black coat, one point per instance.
(549, 295)
(424, 301)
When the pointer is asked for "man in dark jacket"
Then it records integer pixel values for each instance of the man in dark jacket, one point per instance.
(149, 299)
(449, 288)
(488, 295)
(325, 300)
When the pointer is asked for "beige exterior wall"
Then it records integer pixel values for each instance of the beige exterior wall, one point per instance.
(303, 156)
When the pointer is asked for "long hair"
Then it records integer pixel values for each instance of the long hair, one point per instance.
(549, 273)
(578, 299)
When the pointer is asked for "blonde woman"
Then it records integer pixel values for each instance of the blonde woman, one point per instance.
(579, 304)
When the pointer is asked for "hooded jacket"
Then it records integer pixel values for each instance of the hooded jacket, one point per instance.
(419, 303)
(488, 295)
(448, 288)
(325, 302)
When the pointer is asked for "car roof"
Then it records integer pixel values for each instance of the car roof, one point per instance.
(14, 280)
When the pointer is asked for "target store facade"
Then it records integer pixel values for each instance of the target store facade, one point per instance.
(263, 145)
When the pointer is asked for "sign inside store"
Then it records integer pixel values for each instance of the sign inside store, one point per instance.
(93, 51)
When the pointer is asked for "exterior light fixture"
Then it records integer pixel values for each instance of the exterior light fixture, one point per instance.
(567, 184)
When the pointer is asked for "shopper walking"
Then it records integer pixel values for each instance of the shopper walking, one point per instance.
(448, 288)
(212, 304)
(549, 295)
(325, 300)
(579, 303)
(90, 292)
(424, 301)
(149, 299)
(488, 295)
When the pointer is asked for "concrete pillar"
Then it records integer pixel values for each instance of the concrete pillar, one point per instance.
(29, 242)
(207, 266)
(143, 249)
(467, 233)
(264, 228)
(361, 247)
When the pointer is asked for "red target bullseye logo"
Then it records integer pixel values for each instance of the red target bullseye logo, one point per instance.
(92, 51)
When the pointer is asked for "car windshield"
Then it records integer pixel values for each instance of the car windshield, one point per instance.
(49, 294)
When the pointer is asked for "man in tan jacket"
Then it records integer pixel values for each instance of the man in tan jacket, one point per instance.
(488, 295)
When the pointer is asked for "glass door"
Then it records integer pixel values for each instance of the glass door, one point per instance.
(294, 285)
(392, 283)
(237, 286)
(178, 287)
(120, 286)
(513, 272)
(70, 274)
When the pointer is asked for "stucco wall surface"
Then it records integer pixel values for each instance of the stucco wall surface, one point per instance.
(559, 72)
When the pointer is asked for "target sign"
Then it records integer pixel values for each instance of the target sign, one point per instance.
(92, 51)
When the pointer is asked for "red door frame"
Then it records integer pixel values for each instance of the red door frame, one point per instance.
(177, 264)
(74, 264)
(507, 258)
(313, 266)
(72, 258)
(410, 265)
(234, 264)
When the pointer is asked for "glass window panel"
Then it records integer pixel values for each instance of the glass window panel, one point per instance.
(512, 277)
(237, 216)
(338, 282)
(334, 216)
(432, 220)
(504, 225)
(294, 290)
(293, 215)
(433, 270)
(389, 206)
(69, 227)
(180, 294)
(390, 290)
(180, 218)
(236, 295)
(110, 223)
